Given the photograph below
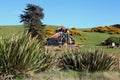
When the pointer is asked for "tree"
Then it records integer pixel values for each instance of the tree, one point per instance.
(31, 18)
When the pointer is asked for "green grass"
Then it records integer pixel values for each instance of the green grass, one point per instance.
(51, 26)
(7, 30)
(91, 42)
(72, 75)
(93, 39)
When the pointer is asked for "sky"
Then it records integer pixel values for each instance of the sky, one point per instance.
(69, 13)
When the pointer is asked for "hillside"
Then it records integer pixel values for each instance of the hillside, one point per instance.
(90, 40)
(6, 30)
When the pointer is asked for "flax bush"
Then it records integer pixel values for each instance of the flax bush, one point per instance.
(21, 54)
(89, 61)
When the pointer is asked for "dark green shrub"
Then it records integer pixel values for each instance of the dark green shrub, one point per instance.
(113, 39)
(89, 61)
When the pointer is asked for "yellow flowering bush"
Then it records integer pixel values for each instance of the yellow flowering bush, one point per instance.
(103, 29)
(50, 31)
(75, 32)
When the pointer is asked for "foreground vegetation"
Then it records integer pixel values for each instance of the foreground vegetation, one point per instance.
(21, 54)
(88, 61)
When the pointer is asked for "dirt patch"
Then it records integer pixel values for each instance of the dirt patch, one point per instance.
(63, 47)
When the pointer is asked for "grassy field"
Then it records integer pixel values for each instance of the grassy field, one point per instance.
(93, 40)
(90, 40)
(7, 30)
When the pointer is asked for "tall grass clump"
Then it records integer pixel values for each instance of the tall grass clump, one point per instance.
(89, 61)
(21, 54)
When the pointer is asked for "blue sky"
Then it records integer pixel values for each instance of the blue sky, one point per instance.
(69, 13)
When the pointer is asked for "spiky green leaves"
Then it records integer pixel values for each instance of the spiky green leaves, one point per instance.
(21, 53)
(90, 61)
